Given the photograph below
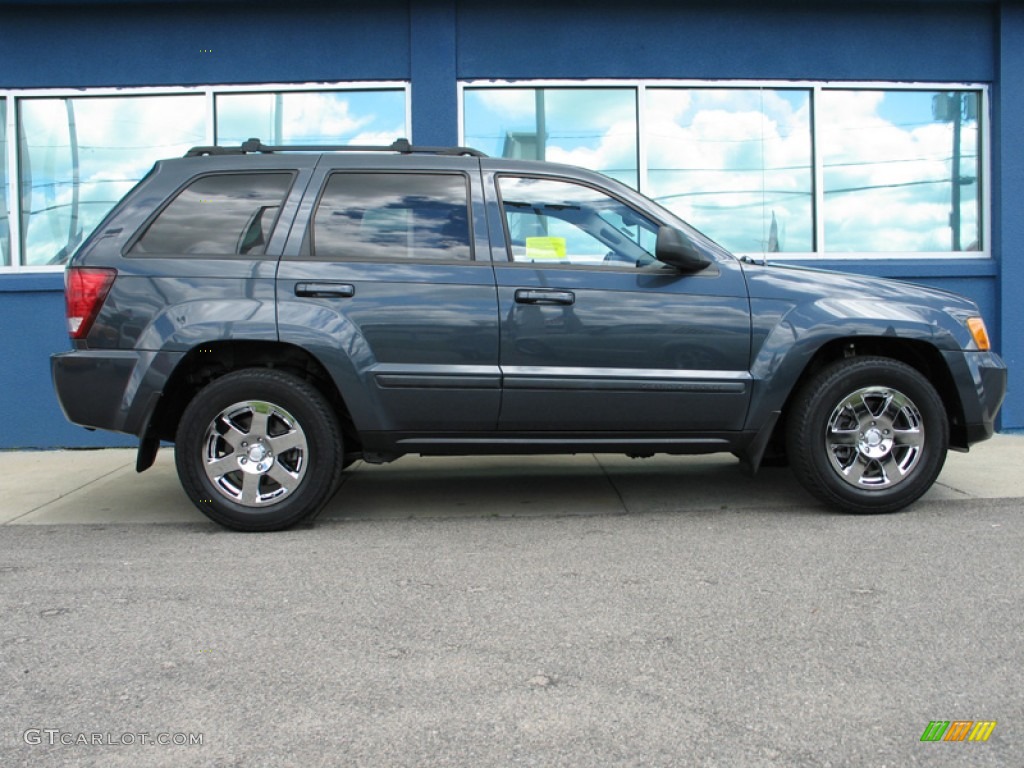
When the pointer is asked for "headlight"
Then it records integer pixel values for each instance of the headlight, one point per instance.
(977, 328)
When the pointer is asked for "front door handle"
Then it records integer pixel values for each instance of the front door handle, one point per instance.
(325, 290)
(539, 296)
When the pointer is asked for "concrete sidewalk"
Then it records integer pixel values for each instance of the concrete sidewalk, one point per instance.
(101, 486)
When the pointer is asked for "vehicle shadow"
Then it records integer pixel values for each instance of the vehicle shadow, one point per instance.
(557, 486)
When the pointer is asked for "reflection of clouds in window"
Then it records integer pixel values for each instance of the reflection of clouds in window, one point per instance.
(333, 117)
(889, 165)
(393, 216)
(734, 162)
(81, 155)
(591, 127)
(739, 162)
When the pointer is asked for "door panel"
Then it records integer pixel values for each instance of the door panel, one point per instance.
(598, 336)
(384, 288)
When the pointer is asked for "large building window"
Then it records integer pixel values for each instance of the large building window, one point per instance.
(312, 117)
(591, 127)
(79, 152)
(79, 156)
(901, 170)
(736, 162)
(799, 170)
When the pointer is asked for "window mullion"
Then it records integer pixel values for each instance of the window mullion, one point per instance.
(14, 173)
(641, 137)
(211, 117)
(818, 161)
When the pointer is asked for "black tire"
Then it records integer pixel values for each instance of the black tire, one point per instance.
(258, 450)
(867, 435)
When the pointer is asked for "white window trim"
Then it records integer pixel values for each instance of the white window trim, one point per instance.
(816, 87)
(12, 95)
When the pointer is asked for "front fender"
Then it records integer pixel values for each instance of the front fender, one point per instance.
(786, 337)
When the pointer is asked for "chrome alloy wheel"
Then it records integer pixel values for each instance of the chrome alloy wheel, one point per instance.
(255, 453)
(875, 438)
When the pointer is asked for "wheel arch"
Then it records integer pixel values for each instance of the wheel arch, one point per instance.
(920, 355)
(207, 362)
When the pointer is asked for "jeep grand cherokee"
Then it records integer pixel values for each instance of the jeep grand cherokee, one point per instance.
(279, 312)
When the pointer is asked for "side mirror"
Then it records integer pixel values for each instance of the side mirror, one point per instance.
(675, 249)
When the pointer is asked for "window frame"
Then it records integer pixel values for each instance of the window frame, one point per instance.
(13, 96)
(816, 87)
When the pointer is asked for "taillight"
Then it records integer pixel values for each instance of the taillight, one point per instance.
(85, 289)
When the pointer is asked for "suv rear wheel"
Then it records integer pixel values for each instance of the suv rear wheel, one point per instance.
(868, 434)
(258, 450)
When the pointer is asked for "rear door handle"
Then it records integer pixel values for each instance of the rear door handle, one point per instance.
(325, 290)
(535, 296)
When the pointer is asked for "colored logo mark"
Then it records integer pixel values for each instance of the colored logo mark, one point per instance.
(958, 730)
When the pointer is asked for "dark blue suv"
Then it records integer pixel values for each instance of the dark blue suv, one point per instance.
(280, 312)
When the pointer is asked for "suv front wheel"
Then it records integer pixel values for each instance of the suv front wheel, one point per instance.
(867, 434)
(258, 450)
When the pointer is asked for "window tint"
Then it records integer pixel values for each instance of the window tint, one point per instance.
(219, 215)
(560, 223)
(388, 216)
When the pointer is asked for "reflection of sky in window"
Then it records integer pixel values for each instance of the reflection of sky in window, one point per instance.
(736, 163)
(591, 127)
(349, 117)
(117, 140)
(888, 170)
(388, 216)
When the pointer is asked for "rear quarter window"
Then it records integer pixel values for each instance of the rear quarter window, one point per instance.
(227, 214)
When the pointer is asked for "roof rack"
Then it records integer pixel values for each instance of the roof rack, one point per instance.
(401, 145)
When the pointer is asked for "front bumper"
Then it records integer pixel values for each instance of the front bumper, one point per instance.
(111, 389)
(981, 379)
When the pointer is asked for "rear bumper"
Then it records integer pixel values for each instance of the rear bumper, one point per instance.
(111, 389)
(981, 379)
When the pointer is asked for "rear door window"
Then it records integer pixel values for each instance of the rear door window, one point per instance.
(393, 217)
(218, 215)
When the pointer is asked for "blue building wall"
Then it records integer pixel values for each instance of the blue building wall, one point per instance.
(433, 45)
(1008, 205)
(775, 40)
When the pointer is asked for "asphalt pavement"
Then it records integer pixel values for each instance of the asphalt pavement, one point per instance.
(545, 611)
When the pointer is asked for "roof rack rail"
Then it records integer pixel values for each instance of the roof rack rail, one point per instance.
(401, 145)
